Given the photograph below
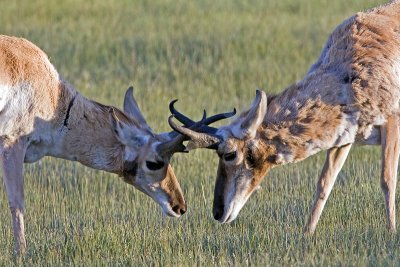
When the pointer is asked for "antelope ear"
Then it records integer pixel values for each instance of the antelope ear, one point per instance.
(125, 132)
(131, 107)
(247, 126)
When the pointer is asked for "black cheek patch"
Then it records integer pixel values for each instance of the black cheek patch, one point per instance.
(130, 168)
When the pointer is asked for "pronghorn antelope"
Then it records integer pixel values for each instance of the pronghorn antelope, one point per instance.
(349, 96)
(43, 115)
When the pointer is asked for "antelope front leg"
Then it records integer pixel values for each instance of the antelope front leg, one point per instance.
(390, 156)
(12, 157)
(334, 161)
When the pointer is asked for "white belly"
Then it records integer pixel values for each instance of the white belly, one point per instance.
(370, 135)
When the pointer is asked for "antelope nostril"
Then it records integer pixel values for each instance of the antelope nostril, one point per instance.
(218, 213)
(183, 210)
(179, 209)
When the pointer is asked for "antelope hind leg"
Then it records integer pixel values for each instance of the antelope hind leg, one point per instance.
(390, 156)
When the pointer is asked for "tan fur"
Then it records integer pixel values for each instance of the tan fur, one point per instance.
(351, 95)
(43, 115)
(334, 161)
(390, 155)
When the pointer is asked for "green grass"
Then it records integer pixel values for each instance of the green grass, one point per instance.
(209, 54)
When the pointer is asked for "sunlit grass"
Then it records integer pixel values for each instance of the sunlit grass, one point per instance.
(209, 54)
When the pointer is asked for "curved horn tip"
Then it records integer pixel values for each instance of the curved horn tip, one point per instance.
(171, 105)
(230, 114)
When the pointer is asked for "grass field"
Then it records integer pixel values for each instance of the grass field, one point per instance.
(209, 54)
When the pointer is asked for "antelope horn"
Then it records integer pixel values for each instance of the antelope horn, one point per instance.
(175, 143)
(188, 122)
(221, 116)
(179, 116)
(172, 146)
(197, 139)
(174, 134)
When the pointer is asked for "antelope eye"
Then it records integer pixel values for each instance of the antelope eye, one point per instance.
(154, 165)
(230, 156)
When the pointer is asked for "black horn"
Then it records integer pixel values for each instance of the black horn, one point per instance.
(188, 122)
(175, 143)
(197, 139)
(179, 116)
(199, 134)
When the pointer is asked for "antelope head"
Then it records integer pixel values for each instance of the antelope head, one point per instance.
(245, 156)
(147, 155)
